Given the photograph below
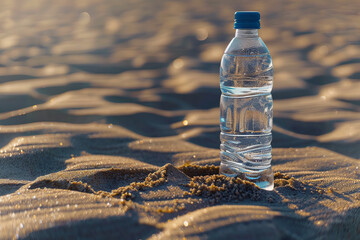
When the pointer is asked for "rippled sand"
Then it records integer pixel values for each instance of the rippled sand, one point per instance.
(109, 121)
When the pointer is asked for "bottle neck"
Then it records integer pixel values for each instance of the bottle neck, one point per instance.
(247, 33)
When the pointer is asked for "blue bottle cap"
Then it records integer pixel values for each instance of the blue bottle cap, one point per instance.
(247, 20)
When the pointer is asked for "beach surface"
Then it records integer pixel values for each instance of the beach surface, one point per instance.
(109, 121)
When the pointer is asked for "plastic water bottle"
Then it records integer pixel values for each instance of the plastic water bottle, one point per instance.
(246, 105)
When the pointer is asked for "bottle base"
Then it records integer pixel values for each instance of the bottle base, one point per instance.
(264, 179)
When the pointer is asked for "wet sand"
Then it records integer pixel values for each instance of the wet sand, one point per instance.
(109, 121)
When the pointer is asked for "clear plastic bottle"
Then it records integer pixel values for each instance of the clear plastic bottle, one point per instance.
(246, 105)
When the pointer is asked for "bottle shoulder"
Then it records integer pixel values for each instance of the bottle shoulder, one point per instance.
(246, 46)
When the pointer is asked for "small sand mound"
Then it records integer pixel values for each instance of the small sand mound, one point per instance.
(204, 183)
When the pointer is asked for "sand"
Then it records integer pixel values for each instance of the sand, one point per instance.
(109, 121)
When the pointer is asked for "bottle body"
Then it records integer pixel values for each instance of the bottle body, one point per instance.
(246, 109)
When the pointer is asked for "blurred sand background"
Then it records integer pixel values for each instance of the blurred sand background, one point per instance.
(96, 95)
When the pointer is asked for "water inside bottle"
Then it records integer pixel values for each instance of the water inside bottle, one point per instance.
(246, 112)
